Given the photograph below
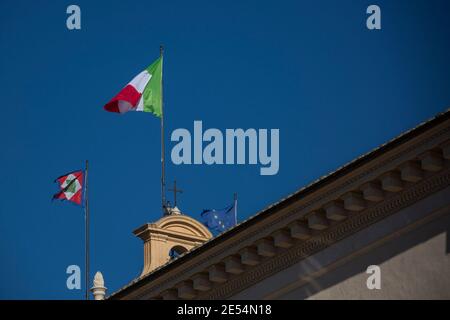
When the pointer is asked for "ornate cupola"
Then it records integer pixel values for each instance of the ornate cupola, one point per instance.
(172, 235)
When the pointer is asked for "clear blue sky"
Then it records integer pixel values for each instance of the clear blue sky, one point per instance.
(310, 68)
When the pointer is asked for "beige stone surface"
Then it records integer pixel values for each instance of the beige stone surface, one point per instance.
(421, 272)
(176, 231)
(388, 210)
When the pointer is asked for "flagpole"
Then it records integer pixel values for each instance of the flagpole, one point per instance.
(235, 208)
(163, 182)
(86, 221)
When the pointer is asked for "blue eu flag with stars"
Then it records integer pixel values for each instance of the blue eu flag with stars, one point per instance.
(219, 220)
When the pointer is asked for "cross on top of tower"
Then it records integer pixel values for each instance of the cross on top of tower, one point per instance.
(175, 191)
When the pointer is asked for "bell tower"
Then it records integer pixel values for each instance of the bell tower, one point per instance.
(170, 236)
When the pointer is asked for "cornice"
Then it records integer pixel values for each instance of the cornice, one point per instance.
(333, 234)
(305, 210)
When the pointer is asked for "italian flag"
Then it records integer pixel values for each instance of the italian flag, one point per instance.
(143, 93)
(71, 187)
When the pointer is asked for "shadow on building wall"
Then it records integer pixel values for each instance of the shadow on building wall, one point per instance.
(375, 256)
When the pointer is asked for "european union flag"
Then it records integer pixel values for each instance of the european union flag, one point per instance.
(219, 220)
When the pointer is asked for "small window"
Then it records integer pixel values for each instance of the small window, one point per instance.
(176, 251)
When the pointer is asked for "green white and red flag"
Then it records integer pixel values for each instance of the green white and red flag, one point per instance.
(71, 187)
(143, 93)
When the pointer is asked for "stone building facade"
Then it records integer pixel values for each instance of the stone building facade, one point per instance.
(389, 208)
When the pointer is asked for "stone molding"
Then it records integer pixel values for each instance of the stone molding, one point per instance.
(330, 236)
(425, 161)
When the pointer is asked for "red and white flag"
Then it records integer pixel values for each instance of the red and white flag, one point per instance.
(71, 186)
